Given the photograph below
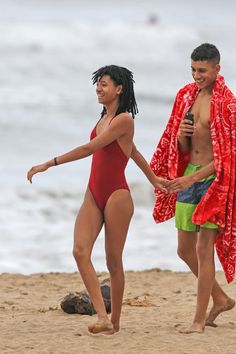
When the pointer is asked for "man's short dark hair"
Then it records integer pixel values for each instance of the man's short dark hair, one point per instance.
(207, 52)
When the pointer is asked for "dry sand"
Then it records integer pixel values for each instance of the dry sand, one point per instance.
(156, 305)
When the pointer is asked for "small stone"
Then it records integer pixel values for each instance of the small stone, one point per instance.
(80, 302)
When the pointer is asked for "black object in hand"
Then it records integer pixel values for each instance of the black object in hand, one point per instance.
(190, 117)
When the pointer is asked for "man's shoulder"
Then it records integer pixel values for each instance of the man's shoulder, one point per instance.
(232, 107)
(188, 88)
(228, 99)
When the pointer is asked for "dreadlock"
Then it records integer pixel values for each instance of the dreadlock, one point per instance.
(124, 77)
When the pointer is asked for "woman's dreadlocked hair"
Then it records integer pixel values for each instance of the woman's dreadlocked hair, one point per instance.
(124, 77)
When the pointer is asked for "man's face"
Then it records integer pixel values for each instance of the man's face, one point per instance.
(204, 73)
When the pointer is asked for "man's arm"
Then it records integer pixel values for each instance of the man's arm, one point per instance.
(178, 184)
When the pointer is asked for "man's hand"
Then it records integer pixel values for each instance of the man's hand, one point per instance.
(179, 184)
(186, 128)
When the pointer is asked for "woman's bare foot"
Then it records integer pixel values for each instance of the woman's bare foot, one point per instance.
(116, 327)
(100, 327)
(194, 328)
(114, 330)
(111, 332)
(217, 309)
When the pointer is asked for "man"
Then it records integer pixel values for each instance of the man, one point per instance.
(199, 155)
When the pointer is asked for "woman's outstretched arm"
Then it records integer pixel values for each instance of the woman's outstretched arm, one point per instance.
(157, 182)
(119, 127)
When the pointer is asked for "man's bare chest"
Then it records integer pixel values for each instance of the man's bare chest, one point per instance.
(201, 111)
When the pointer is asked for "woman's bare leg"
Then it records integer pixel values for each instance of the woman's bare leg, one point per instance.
(118, 213)
(87, 227)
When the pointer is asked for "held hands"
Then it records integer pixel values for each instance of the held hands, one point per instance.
(161, 184)
(179, 184)
(186, 128)
(173, 186)
(36, 169)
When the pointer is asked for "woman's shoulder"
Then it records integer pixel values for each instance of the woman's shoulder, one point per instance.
(123, 118)
(125, 122)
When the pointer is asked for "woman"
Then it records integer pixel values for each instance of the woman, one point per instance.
(107, 199)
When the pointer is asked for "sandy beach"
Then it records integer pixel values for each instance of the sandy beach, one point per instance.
(156, 305)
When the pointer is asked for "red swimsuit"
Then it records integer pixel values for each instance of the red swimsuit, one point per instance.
(107, 172)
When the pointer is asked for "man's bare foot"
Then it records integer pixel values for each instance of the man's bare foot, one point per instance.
(194, 328)
(100, 327)
(216, 310)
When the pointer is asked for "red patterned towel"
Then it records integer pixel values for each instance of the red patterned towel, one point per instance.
(219, 203)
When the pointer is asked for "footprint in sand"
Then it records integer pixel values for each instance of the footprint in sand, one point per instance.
(141, 301)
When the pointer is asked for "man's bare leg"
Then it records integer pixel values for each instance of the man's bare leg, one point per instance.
(206, 278)
(187, 252)
(217, 309)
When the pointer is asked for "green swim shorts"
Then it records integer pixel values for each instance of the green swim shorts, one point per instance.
(188, 199)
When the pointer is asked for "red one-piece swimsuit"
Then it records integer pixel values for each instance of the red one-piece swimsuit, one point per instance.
(107, 172)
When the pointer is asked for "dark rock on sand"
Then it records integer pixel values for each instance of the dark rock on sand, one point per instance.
(80, 302)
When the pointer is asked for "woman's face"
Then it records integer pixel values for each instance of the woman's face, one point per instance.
(107, 90)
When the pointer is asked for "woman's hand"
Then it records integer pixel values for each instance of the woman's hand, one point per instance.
(36, 169)
(161, 183)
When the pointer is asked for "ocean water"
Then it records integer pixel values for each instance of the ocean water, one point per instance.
(48, 52)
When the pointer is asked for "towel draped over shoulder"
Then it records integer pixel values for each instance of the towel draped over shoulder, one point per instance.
(218, 205)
